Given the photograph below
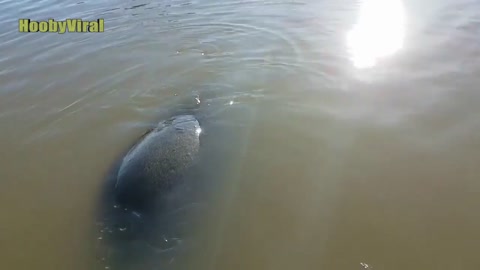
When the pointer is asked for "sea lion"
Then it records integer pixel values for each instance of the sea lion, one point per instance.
(157, 162)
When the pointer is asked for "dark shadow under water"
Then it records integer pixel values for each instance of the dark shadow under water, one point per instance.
(147, 240)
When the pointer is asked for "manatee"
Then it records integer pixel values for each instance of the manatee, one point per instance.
(158, 162)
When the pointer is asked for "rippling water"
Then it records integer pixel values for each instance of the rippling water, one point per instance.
(339, 134)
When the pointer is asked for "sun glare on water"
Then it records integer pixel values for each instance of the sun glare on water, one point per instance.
(379, 32)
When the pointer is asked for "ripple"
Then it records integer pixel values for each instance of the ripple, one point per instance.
(232, 32)
(250, 4)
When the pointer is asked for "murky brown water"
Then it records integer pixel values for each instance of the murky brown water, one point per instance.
(320, 156)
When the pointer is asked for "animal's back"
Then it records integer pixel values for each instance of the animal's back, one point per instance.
(157, 162)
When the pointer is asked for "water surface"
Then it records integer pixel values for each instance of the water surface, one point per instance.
(339, 134)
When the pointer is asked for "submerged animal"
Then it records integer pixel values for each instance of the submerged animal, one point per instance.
(158, 162)
(141, 223)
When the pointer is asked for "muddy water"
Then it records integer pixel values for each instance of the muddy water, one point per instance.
(338, 134)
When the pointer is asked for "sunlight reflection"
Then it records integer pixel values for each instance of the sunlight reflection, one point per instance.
(379, 32)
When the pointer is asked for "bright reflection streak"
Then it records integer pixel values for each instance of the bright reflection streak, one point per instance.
(379, 32)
